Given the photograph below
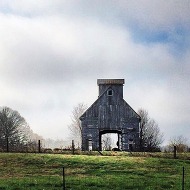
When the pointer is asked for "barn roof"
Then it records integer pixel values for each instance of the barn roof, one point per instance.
(93, 103)
(110, 81)
(83, 115)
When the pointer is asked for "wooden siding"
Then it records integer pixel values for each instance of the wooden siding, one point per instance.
(110, 113)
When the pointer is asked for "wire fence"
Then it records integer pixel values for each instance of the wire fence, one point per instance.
(176, 179)
(37, 175)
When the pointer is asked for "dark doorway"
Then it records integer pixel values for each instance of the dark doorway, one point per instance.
(130, 147)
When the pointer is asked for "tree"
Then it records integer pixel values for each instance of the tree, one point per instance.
(144, 120)
(180, 142)
(75, 126)
(56, 143)
(11, 129)
(106, 142)
(31, 145)
(150, 136)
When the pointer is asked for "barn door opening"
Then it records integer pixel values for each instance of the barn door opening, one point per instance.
(130, 145)
(89, 144)
(110, 140)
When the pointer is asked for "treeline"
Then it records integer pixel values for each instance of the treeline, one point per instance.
(15, 133)
(179, 142)
(17, 136)
(57, 143)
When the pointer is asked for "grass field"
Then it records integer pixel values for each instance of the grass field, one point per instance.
(44, 171)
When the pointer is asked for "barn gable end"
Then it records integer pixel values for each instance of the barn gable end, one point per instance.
(110, 113)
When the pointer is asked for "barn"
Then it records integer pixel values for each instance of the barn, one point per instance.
(110, 113)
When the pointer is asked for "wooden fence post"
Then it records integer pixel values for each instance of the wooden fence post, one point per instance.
(39, 146)
(73, 147)
(64, 188)
(183, 179)
(175, 150)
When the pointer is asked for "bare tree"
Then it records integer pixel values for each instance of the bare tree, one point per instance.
(56, 143)
(32, 139)
(143, 125)
(75, 126)
(11, 125)
(180, 142)
(106, 141)
(153, 136)
(29, 134)
(150, 135)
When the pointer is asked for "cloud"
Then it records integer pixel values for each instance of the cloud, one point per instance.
(52, 53)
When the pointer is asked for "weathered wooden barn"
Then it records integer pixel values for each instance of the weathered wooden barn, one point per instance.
(110, 113)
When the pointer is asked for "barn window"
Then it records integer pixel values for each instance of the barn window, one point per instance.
(110, 92)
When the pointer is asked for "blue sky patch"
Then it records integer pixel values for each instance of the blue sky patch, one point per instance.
(177, 38)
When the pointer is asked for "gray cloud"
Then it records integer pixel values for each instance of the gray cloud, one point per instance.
(52, 52)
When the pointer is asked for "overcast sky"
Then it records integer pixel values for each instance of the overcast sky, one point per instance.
(53, 51)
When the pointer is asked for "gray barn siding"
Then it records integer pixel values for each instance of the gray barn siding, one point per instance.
(110, 113)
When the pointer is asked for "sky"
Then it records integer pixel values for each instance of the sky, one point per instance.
(53, 51)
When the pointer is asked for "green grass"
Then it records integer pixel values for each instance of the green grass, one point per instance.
(119, 172)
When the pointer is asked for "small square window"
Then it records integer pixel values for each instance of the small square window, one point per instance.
(110, 92)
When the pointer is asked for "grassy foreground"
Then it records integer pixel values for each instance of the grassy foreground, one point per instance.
(44, 171)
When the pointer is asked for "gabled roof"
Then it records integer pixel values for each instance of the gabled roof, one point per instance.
(94, 102)
(135, 113)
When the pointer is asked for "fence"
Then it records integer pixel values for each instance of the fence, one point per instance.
(25, 171)
(177, 179)
(39, 147)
